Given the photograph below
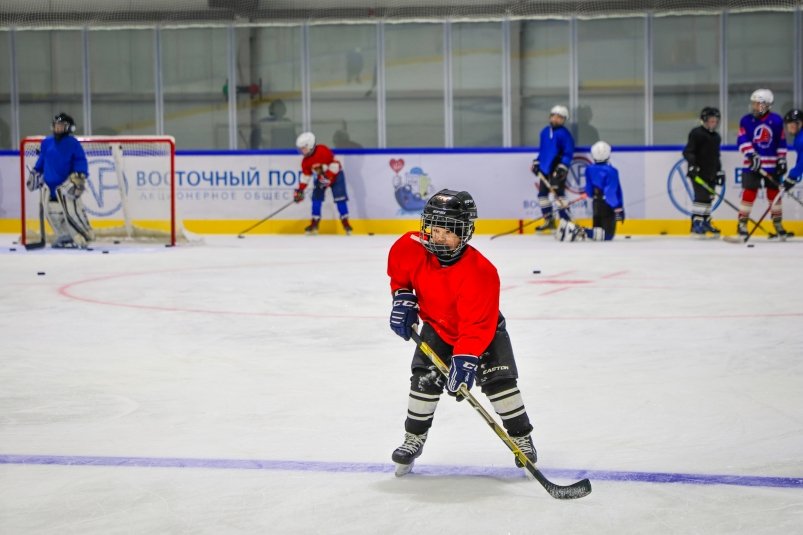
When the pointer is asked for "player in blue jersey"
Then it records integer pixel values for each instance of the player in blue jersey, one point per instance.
(61, 172)
(763, 144)
(702, 155)
(794, 122)
(556, 149)
(607, 201)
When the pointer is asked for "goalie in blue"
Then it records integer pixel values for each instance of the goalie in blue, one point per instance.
(61, 173)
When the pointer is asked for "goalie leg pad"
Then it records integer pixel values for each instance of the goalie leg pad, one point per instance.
(74, 213)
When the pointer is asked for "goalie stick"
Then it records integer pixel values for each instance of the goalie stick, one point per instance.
(255, 225)
(575, 490)
(713, 192)
(528, 223)
(42, 238)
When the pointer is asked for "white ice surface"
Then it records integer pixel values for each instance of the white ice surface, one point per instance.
(652, 356)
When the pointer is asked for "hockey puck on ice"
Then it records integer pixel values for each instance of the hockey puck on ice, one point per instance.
(370, 233)
(12, 248)
(663, 233)
(116, 242)
(751, 245)
(105, 252)
(536, 271)
(40, 272)
(627, 237)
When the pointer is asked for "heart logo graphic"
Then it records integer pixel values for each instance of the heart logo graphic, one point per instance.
(397, 165)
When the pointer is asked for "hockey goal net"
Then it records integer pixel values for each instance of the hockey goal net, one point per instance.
(130, 194)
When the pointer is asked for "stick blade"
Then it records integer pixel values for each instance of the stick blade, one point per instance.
(34, 246)
(560, 492)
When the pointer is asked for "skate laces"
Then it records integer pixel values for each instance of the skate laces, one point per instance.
(412, 443)
(525, 444)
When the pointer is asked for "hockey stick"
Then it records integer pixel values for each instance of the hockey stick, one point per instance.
(774, 182)
(575, 490)
(42, 238)
(767, 211)
(527, 224)
(255, 225)
(712, 191)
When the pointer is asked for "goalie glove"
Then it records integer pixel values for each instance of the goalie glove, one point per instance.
(75, 185)
(34, 181)
(462, 371)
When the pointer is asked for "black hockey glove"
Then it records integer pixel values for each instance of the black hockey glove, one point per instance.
(298, 195)
(462, 370)
(619, 214)
(693, 171)
(755, 162)
(719, 180)
(789, 183)
(559, 175)
(405, 312)
(536, 167)
(780, 168)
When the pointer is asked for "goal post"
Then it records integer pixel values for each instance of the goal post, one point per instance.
(130, 193)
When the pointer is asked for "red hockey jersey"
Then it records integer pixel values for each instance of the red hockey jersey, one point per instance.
(460, 301)
(321, 161)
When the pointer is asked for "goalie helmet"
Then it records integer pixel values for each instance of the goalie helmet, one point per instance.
(563, 111)
(600, 152)
(764, 98)
(794, 115)
(66, 119)
(306, 140)
(454, 211)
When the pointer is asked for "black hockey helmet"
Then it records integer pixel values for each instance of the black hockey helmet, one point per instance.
(64, 118)
(454, 211)
(709, 111)
(793, 115)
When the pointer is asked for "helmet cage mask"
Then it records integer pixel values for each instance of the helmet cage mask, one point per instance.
(437, 217)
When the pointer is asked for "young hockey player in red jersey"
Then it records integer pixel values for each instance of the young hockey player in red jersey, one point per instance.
(320, 162)
(434, 273)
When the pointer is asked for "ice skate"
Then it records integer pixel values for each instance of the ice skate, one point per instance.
(525, 444)
(312, 228)
(346, 225)
(741, 228)
(698, 228)
(780, 233)
(404, 456)
(547, 226)
(708, 227)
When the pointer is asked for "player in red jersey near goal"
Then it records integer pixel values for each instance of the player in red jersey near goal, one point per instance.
(319, 162)
(434, 273)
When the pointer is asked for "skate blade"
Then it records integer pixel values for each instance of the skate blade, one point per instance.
(404, 469)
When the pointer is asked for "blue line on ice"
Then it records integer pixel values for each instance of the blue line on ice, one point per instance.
(426, 470)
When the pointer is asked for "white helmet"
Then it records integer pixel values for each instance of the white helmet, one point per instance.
(600, 152)
(307, 139)
(764, 96)
(563, 111)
